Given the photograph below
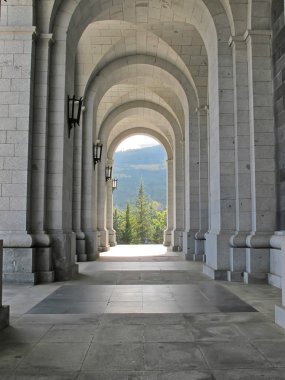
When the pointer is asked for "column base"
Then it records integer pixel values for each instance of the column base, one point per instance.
(235, 276)
(81, 257)
(217, 255)
(4, 316)
(280, 316)
(215, 274)
(104, 249)
(63, 253)
(257, 265)
(199, 247)
(92, 256)
(176, 248)
(20, 278)
(275, 280)
(80, 250)
(194, 257)
(45, 277)
(255, 278)
(27, 265)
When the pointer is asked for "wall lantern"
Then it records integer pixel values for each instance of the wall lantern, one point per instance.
(97, 152)
(0, 6)
(74, 107)
(114, 184)
(108, 172)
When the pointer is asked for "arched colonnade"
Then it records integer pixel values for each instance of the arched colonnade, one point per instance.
(194, 74)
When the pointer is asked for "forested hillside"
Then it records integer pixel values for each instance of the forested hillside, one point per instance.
(132, 166)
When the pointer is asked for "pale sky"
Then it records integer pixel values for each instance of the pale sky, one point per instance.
(136, 142)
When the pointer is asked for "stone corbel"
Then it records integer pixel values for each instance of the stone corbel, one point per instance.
(238, 240)
(22, 240)
(258, 240)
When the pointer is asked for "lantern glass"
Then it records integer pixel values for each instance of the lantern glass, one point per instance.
(108, 173)
(114, 184)
(74, 110)
(97, 152)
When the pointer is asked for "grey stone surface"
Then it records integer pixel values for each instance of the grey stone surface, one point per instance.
(156, 346)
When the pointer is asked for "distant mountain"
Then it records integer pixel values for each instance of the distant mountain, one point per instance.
(132, 166)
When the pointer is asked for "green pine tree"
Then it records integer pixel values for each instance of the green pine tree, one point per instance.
(128, 235)
(142, 213)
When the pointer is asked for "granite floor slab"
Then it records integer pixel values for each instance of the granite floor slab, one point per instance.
(141, 320)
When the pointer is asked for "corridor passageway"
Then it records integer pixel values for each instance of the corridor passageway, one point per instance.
(150, 317)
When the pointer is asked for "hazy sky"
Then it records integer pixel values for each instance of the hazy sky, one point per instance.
(136, 142)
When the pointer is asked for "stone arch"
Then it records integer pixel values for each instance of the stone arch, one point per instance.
(215, 36)
(140, 131)
(170, 180)
(134, 108)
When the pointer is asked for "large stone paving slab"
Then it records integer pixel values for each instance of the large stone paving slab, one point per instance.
(116, 356)
(173, 356)
(236, 354)
(103, 331)
(204, 297)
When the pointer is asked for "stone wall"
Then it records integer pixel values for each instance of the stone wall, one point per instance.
(278, 49)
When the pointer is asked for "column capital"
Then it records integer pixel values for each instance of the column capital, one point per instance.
(48, 37)
(249, 33)
(235, 39)
(204, 107)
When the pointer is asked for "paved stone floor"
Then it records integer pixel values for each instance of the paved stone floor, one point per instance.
(153, 318)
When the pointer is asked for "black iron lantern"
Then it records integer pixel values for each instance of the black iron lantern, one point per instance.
(97, 152)
(74, 107)
(108, 172)
(114, 184)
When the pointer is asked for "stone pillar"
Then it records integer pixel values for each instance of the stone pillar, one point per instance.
(169, 228)
(280, 309)
(77, 193)
(179, 197)
(242, 160)
(111, 231)
(262, 155)
(26, 253)
(103, 240)
(192, 189)
(89, 187)
(221, 164)
(203, 184)
(60, 161)
(4, 310)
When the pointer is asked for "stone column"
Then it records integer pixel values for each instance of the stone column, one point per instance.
(103, 241)
(77, 192)
(280, 309)
(111, 231)
(26, 258)
(203, 184)
(192, 189)
(169, 228)
(4, 310)
(179, 197)
(221, 164)
(89, 185)
(262, 155)
(242, 160)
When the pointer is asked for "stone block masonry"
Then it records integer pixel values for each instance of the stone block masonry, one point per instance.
(278, 29)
